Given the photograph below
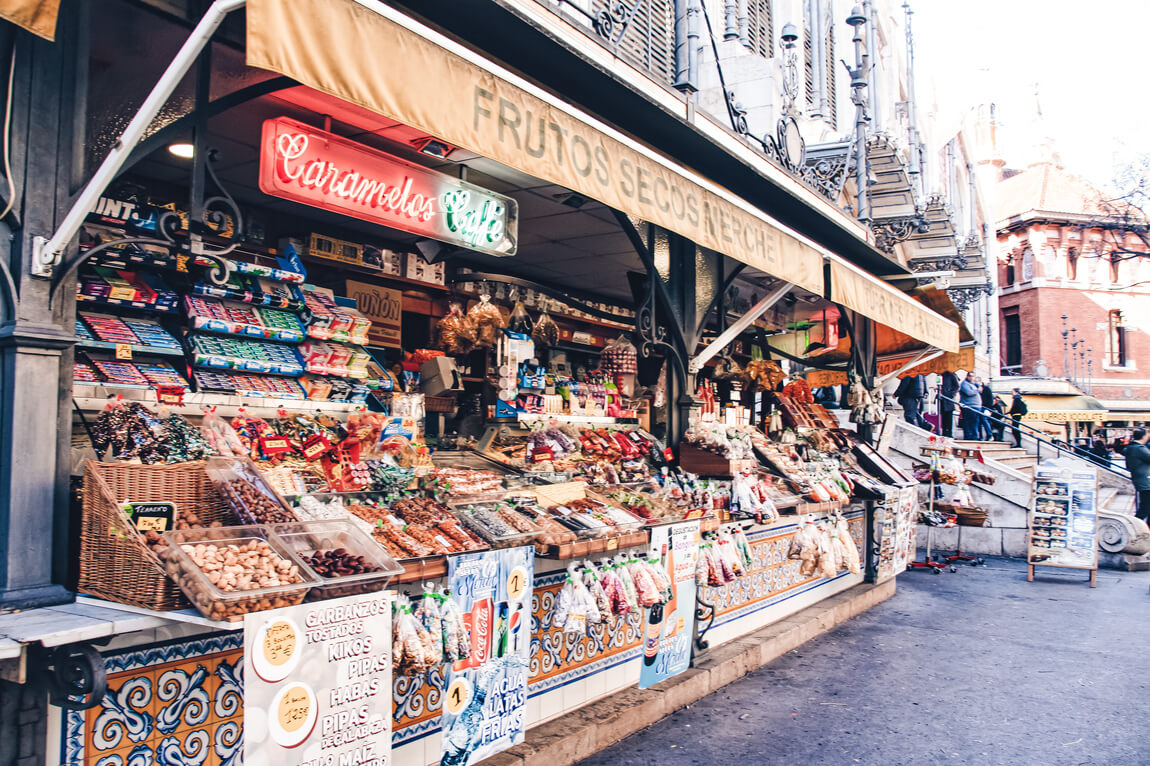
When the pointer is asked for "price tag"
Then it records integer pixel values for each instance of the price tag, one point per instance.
(315, 447)
(582, 337)
(612, 543)
(173, 395)
(458, 695)
(124, 352)
(156, 517)
(667, 453)
(274, 445)
(516, 583)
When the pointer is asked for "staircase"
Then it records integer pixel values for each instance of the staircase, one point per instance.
(1124, 541)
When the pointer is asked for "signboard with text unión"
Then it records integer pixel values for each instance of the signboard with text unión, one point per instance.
(384, 307)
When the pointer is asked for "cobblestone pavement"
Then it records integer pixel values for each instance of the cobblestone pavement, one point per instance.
(974, 667)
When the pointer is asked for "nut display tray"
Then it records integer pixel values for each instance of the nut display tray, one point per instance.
(309, 537)
(206, 589)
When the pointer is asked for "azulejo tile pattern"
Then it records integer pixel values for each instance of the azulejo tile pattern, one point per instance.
(177, 702)
(772, 575)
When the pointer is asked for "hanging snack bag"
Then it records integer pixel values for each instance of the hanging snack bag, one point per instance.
(457, 332)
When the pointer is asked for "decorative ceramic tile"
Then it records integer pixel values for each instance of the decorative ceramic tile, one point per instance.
(177, 702)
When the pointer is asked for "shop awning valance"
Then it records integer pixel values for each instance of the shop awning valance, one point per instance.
(37, 16)
(366, 53)
(963, 359)
(852, 287)
(1064, 409)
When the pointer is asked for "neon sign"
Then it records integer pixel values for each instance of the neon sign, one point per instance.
(313, 167)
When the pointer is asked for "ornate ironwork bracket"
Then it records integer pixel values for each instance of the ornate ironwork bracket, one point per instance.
(891, 231)
(964, 297)
(610, 22)
(704, 613)
(75, 676)
(217, 211)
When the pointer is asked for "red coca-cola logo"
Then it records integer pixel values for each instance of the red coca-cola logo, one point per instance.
(479, 620)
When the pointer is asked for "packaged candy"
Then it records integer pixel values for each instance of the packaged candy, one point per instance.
(457, 332)
(456, 646)
(487, 320)
(427, 614)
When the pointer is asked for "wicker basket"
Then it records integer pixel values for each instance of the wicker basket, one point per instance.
(115, 564)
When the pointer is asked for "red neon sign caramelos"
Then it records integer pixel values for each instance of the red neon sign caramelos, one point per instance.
(313, 167)
(294, 164)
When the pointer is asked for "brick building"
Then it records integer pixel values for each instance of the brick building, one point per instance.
(1064, 250)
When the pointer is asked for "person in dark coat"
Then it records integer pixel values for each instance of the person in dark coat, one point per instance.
(984, 429)
(1018, 408)
(910, 393)
(968, 396)
(998, 409)
(949, 390)
(1138, 464)
(1100, 451)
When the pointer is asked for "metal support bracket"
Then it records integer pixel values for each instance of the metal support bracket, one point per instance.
(923, 357)
(49, 253)
(740, 324)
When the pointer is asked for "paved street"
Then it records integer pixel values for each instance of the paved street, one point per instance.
(976, 667)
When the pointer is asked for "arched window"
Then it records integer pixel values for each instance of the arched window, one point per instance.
(1072, 263)
(1116, 340)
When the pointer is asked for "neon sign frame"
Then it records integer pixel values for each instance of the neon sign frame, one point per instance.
(319, 169)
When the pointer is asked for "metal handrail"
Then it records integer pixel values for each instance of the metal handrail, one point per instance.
(1033, 433)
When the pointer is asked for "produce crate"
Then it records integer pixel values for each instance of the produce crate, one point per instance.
(115, 562)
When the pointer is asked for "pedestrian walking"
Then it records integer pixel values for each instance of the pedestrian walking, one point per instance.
(986, 397)
(998, 422)
(1018, 408)
(970, 400)
(1138, 464)
(910, 393)
(947, 395)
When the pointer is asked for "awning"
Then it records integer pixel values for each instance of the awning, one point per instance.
(369, 54)
(854, 288)
(1064, 409)
(37, 16)
(947, 362)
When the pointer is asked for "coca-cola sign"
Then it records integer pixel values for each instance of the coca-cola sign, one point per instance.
(317, 168)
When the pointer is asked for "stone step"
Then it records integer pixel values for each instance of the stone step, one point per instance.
(1119, 503)
(991, 446)
(1106, 496)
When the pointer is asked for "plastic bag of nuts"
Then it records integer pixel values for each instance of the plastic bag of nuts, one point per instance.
(229, 571)
(239, 482)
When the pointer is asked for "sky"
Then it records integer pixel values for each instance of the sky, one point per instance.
(1088, 61)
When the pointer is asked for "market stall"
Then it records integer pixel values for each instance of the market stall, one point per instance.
(392, 401)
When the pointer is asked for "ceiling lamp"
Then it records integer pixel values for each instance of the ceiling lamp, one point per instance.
(183, 150)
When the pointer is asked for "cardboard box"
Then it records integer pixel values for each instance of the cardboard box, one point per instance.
(419, 269)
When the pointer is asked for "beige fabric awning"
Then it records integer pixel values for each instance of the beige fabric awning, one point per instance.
(37, 16)
(854, 288)
(368, 54)
(1064, 409)
(948, 362)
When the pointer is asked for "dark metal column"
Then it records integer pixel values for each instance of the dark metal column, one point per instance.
(36, 336)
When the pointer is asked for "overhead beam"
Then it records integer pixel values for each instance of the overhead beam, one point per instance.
(740, 324)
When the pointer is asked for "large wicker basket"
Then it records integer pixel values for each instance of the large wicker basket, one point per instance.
(115, 564)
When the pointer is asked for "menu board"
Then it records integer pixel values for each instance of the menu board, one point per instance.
(317, 683)
(894, 533)
(1064, 516)
(668, 628)
(485, 696)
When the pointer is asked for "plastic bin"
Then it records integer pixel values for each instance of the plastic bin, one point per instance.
(230, 605)
(252, 498)
(477, 518)
(306, 538)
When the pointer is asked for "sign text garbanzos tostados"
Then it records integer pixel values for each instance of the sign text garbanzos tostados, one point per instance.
(314, 167)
